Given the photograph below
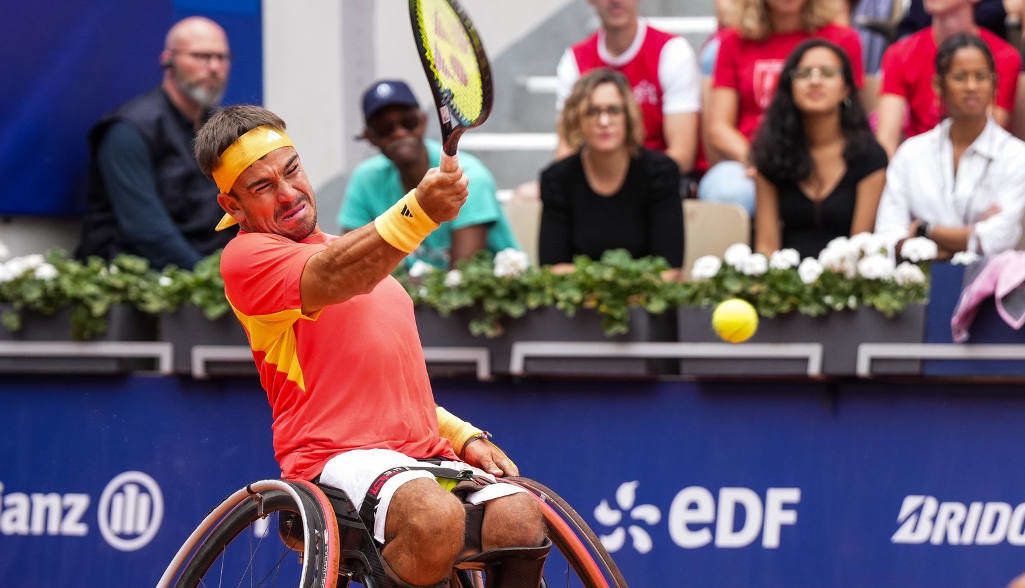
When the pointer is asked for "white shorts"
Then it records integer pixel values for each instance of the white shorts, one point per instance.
(354, 471)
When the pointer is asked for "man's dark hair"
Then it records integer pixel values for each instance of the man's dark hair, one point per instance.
(780, 150)
(225, 127)
(953, 44)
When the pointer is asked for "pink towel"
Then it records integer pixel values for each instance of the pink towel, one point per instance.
(1002, 277)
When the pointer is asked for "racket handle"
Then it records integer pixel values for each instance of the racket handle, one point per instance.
(449, 163)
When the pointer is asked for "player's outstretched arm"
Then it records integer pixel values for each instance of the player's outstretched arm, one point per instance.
(355, 262)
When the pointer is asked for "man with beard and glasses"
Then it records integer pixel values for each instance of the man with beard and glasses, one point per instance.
(147, 196)
(396, 125)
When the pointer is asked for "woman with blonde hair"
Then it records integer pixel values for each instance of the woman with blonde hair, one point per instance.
(611, 193)
(750, 60)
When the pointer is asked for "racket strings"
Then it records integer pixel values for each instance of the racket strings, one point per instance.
(452, 58)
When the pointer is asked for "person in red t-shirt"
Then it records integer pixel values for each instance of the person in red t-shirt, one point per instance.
(337, 349)
(663, 74)
(746, 70)
(908, 104)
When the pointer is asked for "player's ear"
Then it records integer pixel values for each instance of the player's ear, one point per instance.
(229, 203)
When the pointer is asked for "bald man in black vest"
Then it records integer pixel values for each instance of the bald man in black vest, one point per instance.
(147, 196)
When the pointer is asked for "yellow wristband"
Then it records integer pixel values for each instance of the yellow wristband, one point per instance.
(455, 429)
(405, 225)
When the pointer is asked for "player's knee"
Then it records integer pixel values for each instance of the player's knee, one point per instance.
(512, 521)
(436, 527)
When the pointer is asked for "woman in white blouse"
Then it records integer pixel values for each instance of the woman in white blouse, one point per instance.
(962, 184)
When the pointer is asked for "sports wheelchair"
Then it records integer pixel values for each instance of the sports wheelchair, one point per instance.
(330, 546)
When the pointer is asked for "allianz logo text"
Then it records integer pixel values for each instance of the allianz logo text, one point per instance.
(925, 519)
(129, 513)
(697, 518)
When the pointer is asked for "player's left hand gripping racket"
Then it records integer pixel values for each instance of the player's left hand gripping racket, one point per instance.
(456, 66)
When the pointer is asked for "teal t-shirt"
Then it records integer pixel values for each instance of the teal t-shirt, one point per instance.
(375, 185)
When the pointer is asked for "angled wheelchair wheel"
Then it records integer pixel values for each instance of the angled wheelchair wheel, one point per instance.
(237, 544)
(583, 560)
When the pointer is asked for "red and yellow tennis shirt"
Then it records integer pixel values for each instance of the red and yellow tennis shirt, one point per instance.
(351, 376)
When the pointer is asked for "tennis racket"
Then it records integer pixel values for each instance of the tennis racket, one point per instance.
(456, 66)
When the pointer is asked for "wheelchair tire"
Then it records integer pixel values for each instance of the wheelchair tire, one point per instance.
(193, 566)
(574, 539)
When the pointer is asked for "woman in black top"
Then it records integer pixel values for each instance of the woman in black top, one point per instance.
(612, 193)
(820, 170)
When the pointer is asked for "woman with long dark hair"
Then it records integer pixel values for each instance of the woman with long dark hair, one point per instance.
(820, 170)
(747, 70)
(962, 184)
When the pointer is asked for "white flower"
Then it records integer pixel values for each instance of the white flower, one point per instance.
(510, 262)
(706, 266)
(14, 267)
(736, 254)
(20, 265)
(755, 265)
(840, 257)
(420, 269)
(908, 273)
(867, 243)
(841, 243)
(114, 269)
(809, 270)
(33, 261)
(919, 249)
(46, 272)
(6, 275)
(857, 241)
(876, 267)
(4, 251)
(453, 278)
(784, 259)
(852, 302)
(164, 281)
(964, 258)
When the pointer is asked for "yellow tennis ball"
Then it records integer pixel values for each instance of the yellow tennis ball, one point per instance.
(735, 320)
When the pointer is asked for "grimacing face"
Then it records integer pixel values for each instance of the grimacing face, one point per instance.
(273, 195)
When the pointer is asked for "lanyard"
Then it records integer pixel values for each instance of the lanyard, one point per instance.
(949, 190)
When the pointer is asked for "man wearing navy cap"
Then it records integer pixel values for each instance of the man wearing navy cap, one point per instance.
(395, 125)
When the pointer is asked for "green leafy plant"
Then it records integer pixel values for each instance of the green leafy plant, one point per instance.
(202, 287)
(48, 283)
(497, 289)
(494, 290)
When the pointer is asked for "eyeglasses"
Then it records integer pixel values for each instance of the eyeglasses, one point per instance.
(613, 110)
(384, 127)
(827, 72)
(962, 77)
(206, 57)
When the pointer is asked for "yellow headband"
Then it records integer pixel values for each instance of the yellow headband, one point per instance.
(248, 148)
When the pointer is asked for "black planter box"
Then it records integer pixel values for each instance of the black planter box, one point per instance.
(840, 333)
(551, 324)
(188, 326)
(124, 323)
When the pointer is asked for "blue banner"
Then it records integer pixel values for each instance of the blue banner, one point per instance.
(690, 483)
